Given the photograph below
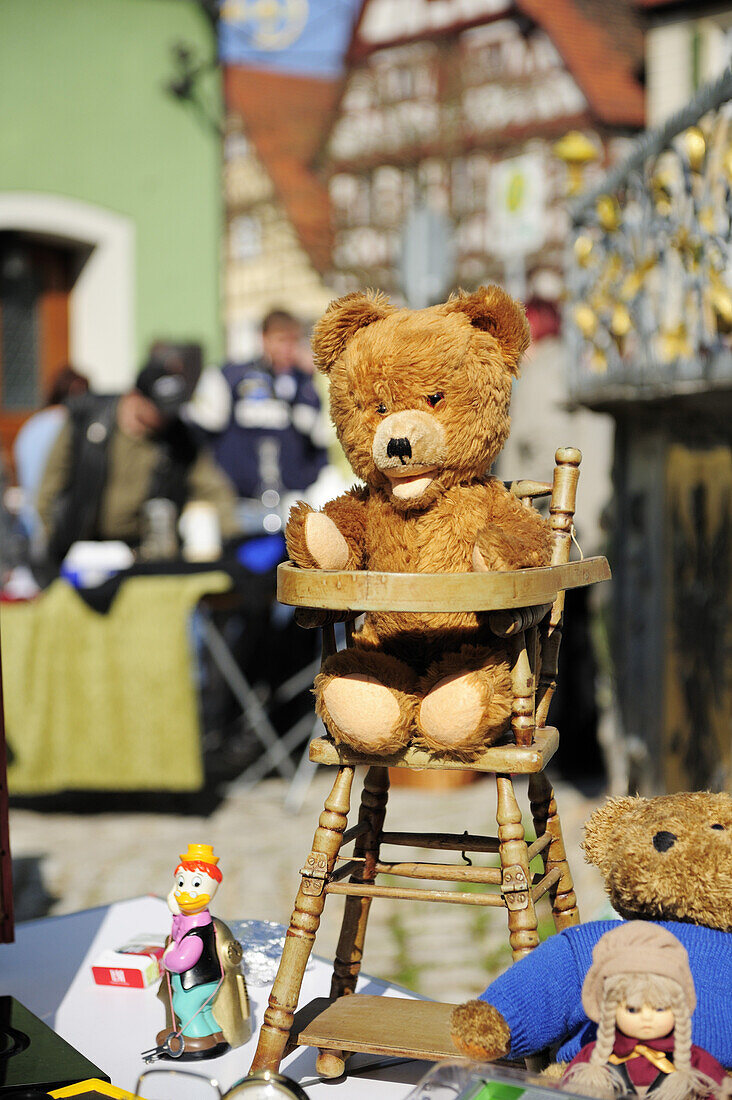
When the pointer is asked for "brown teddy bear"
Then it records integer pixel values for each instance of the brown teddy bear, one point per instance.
(666, 859)
(420, 403)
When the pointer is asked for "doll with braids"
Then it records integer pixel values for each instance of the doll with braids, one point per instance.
(640, 992)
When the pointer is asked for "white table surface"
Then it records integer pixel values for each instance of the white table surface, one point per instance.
(48, 969)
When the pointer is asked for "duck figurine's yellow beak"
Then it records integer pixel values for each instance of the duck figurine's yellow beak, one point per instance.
(189, 904)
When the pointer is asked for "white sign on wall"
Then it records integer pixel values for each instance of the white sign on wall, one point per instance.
(517, 203)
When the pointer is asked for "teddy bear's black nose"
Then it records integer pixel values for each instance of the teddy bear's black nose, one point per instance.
(399, 448)
(663, 841)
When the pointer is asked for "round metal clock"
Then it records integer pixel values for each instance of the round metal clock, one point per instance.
(266, 1085)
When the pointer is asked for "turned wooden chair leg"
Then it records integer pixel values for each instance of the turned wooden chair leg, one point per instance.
(304, 924)
(546, 820)
(349, 953)
(515, 875)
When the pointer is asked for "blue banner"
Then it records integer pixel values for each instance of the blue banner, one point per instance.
(309, 37)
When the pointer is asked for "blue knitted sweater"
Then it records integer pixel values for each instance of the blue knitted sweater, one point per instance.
(540, 996)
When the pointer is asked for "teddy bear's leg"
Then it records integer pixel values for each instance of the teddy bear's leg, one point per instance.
(366, 699)
(466, 701)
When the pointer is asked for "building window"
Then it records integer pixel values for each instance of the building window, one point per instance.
(245, 238)
(20, 291)
(35, 280)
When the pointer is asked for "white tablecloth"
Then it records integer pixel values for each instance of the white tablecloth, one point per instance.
(48, 969)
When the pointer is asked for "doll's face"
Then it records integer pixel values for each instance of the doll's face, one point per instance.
(193, 890)
(645, 1022)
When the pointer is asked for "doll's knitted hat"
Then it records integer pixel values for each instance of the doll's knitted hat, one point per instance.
(636, 947)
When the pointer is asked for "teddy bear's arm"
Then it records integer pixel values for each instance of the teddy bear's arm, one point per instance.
(538, 1000)
(513, 537)
(331, 539)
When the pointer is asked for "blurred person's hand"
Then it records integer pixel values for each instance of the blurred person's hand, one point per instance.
(137, 416)
(210, 405)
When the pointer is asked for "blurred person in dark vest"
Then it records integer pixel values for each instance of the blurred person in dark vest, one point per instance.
(116, 452)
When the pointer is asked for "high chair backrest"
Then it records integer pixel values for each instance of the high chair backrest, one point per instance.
(532, 697)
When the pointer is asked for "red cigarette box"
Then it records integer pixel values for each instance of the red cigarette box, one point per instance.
(133, 966)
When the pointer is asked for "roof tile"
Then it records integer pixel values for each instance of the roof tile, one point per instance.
(284, 117)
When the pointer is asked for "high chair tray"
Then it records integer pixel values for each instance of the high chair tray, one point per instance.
(344, 590)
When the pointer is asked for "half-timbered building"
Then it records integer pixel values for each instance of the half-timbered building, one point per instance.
(440, 93)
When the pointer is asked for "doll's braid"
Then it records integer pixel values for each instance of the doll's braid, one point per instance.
(597, 1077)
(686, 1083)
(613, 995)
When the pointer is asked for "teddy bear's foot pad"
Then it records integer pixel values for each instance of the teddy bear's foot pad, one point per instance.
(366, 713)
(451, 715)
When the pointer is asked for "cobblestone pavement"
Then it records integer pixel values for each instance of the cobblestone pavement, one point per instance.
(445, 951)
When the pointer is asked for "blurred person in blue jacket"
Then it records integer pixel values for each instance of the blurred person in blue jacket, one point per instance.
(276, 437)
(35, 440)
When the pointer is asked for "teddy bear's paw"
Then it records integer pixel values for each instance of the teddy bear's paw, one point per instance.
(324, 541)
(493, 551)
(366, 714)
(499, 549)
(479, 1031)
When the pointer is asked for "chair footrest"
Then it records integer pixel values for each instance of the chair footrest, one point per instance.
(377, 1025)
(503, 759)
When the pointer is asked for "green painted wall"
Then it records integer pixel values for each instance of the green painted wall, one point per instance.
(84, 112)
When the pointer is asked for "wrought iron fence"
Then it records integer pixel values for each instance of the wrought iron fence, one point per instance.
(649, 271)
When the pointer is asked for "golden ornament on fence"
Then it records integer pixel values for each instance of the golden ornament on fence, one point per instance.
(608, 213)
(577, 151)
(635, 279)
(661, 184)
(721, 301)
(620, 323)
(707, 219)
(583, 246)
(585, 320)
(695, 147)
(675, 343)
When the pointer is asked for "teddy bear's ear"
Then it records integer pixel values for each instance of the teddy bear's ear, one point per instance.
(491, 310)
(344, 317)
(603, 825)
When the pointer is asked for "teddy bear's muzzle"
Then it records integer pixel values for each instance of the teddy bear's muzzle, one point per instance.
(409, 448)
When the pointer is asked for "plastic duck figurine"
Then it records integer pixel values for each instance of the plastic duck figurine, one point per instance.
(203, 987)
(640, 992)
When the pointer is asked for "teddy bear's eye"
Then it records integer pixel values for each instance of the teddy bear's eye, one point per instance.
(381, 408)
(435, 398)
(718, 827)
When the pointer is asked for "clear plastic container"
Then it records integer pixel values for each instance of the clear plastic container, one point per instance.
(474, 1081)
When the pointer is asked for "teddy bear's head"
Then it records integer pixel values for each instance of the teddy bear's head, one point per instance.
(420, 398)
(666, 858)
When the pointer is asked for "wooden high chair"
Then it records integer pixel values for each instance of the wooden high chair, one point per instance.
(525, 606)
